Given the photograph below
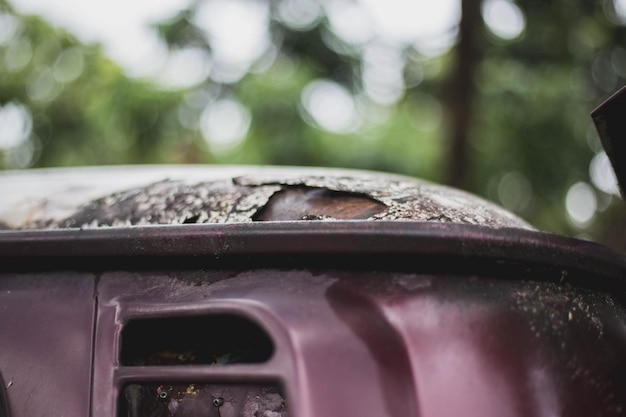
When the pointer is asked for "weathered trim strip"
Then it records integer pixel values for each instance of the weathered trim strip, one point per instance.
(414, 246)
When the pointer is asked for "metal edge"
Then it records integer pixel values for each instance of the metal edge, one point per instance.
(4, 406)
(215, 243)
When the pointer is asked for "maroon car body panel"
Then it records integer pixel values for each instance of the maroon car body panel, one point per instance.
(382, 319)
(47, 325)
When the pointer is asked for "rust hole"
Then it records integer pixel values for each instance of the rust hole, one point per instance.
(192, 219)
(310, 203)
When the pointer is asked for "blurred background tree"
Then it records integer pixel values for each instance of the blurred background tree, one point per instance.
(497, 104)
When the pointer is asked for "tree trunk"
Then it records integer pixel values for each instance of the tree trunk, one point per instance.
(460, 91)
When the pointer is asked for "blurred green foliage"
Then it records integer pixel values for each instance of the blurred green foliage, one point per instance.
(531, 137)
(90, 114)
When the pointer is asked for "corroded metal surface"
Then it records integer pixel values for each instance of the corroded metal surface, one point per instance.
(244, 194)
(202, 400)
(171, 202)
(404, 198)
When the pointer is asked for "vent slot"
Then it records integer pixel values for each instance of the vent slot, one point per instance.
(194, 340)
(201, 400)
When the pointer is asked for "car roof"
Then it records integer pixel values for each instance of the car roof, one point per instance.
(175, 194)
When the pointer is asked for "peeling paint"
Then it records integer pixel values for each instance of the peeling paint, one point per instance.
(173, 202)
(406, 199)
(273, 195)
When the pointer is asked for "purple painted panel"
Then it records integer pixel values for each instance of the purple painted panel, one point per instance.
(386, 343)
(46, 328)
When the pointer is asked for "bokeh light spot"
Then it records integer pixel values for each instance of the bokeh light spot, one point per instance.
(224, 125)
(620, 9)
(69, 65)
(504, 18)
(299, 14)
(331, 106)
(42, 86)
(383, 73)
(239, 34)
(24, 155)
(581, 204)
(515, 191)
(602, 174)
(185, 68)
(16, 124)
(8, 27)
(350, 21)
(405, 21)
(18, 54)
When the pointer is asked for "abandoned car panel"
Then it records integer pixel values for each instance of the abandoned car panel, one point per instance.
(275, 292)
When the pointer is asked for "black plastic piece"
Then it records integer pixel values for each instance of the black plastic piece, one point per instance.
(610, 120)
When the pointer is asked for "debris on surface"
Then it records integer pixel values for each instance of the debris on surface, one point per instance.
(203, 400)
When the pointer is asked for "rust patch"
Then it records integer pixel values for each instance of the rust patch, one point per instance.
(278, 195)
(173, 202)
(309, 203)
(199, 399)
(405, 199)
